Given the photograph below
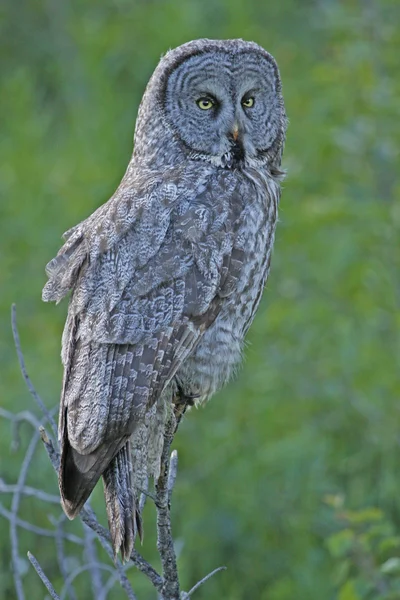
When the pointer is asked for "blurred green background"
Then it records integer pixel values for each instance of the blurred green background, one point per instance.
(315, 410)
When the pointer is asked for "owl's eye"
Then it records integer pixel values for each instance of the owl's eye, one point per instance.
(248, 102)
(205, 103)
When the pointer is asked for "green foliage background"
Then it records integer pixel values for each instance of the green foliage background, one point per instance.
(315, 408)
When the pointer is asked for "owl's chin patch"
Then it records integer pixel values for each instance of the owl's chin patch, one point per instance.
(237, 150)
(233, 160)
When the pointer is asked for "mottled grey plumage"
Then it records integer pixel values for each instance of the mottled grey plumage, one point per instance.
(167, 275)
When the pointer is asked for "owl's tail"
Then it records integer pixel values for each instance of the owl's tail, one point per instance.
(124, 519)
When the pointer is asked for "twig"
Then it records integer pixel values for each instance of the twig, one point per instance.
(172, 472)
(165, 543)
(124, 581)
(91, 556)
(186, 595)
(12, 515)
(24, 415)
(25, 375)
(111, 581)
(38, 530)
(16, 420)
(51, 451)
(80, 570)
(145, 568)
(89, 518)
(108, 586)
(6, 488)
(61, 557)
(43, 577)
(143, 496)
(147, 495)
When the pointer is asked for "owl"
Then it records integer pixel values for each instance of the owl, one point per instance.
(166, 276)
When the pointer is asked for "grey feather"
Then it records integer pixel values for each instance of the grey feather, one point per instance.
(167, 275)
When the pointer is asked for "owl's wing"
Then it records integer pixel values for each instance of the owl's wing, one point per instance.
(145, 272)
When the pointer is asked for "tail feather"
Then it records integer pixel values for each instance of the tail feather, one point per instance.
(79, 474)
(122, 504)
(123, 481)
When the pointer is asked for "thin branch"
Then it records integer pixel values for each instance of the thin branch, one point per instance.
(24, 415)
(80, 570)
(143, 497)
(146, 568)
(61, 557)
(108, 586)
(16, 420)
(147, 495)
(91, 556)
(43, 577)
(51, 451)
(38, 530)
(186, 595)
(165, 543)
(12, 515)
(25, 375)
(6, 488)
(172, 472)
(89, 518)
(124, 581)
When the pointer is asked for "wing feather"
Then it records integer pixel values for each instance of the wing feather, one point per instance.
(145, 270)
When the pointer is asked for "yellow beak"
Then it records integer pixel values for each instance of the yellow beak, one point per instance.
(235, 132)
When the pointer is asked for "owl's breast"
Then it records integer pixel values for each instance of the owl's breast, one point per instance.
(255, 239)
(219, 352)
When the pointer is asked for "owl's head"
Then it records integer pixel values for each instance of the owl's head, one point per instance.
(219, 100)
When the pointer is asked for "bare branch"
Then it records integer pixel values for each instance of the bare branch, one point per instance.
(25, 375)
(165, 543)
(107, 547)
(61, 557)
(186, 595)
(26, 490)
(108, 586)
(16, 420)
(89, 518)
(12, 515)
(80, 570)
(43, 577)
(124, 581)
(147, 495)
(147, 570)
(39, 530)
(143, 497)
(51, 451)
(172, 473)
(91, 556)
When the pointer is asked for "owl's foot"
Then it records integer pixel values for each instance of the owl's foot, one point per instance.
(181, 402)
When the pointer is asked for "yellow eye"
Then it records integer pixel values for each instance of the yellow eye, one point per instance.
(248, 103)
(205, 103)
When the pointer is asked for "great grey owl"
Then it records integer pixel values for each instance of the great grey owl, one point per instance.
(167, 275)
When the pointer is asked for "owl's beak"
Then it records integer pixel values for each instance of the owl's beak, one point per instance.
(236, 143)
